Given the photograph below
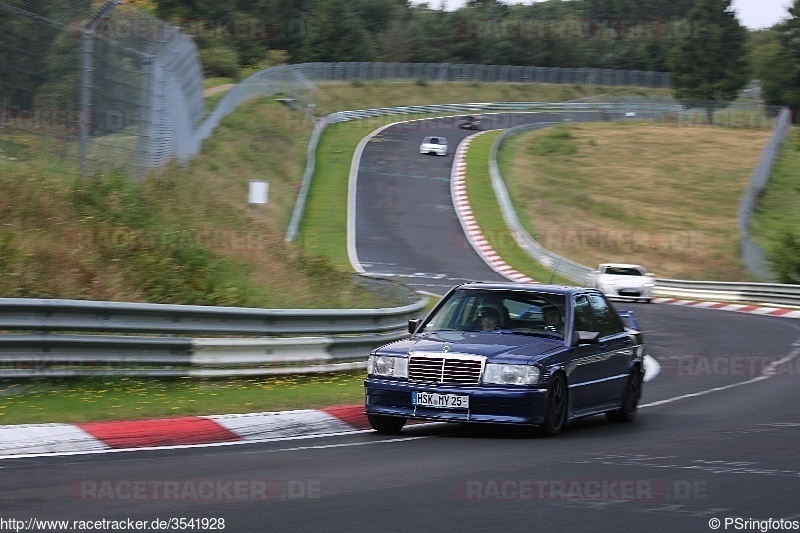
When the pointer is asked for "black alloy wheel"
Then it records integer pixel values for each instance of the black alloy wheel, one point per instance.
(630, 399)
(556, 414)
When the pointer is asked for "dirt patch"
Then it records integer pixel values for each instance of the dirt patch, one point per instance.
(217, 89)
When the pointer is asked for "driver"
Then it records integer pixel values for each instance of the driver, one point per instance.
(553, 319)
(490, 318)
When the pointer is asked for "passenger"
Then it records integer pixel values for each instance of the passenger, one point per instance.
(553, 319)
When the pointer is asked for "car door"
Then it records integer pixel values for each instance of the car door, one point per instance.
(597, 370)
(615, 349)
(586, 367)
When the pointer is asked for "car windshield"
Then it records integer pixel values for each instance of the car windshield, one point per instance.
(504, 311)
(623, 271)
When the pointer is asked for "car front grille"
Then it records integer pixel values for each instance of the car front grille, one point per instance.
(456, 369)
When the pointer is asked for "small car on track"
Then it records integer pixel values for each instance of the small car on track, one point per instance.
(509, 353)
(471, 122)
(435, 144)
(622, 280)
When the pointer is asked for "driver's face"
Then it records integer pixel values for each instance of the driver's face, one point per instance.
(489, 322)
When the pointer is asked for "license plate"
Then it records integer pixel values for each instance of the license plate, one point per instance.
(440, 401)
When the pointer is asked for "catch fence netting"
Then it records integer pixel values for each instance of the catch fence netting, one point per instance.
(102, 86)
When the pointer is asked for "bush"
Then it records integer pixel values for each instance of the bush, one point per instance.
(784, 258)
(555, 141)
(220, 60)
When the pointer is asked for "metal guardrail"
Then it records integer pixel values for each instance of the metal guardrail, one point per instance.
(773, 293)
(74, 338)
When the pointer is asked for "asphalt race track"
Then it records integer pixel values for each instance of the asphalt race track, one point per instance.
(716, 437)
(406, 225)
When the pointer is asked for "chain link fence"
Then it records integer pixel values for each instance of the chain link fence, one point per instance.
(442, 72)
(101, 88)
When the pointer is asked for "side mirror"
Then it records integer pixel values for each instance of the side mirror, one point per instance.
(585, 337)
(413, 324)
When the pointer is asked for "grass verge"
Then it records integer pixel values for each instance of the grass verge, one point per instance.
(126, 398)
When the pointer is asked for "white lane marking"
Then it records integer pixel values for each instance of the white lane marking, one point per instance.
(769, 372)
(231, 443)
(349, 444)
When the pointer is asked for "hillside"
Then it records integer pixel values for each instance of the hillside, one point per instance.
(188, 235)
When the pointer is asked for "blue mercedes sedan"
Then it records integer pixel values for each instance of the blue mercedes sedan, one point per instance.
(510, 353)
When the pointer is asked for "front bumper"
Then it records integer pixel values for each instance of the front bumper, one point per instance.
(427, 150)
(488, 404)
(614, 291)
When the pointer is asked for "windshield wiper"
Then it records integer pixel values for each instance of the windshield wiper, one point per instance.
(549, 334)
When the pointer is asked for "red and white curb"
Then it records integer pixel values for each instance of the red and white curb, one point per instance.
(458, 190)
(49, 439)
(753, 309)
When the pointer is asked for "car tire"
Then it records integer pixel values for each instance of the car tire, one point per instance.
(555, 415)
(630, 399)
(387, 425)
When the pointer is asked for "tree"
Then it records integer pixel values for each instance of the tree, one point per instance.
(336, 34)
(709, 64)
(429, 32)
(779, 70)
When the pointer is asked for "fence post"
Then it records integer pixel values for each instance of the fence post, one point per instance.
(87, 78)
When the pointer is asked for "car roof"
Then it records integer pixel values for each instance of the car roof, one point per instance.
(535, 287)
(441, 139)
(622, 265)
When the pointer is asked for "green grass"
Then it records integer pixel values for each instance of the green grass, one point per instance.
(324, 224)
(778, 210)
(124, 398)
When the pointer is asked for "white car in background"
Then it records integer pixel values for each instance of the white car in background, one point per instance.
(435, 144)
(622, 280)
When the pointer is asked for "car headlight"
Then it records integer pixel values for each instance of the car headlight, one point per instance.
(385, 365)
(501, 374)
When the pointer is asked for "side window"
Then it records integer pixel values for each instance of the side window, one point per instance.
(584, 319)
(608, 322)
